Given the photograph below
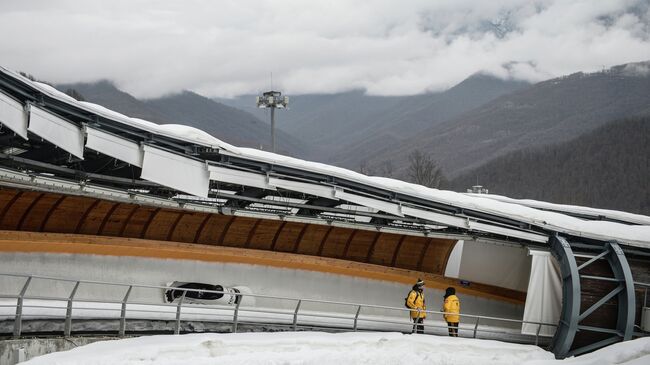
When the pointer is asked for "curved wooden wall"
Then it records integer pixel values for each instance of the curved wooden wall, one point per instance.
(35, 211)
(45, 242)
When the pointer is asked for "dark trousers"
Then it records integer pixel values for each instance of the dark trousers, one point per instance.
(418, 325)
(453, 329)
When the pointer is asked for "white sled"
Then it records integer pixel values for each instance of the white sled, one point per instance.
(203, 293)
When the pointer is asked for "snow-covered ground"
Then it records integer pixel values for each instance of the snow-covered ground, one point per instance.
(326, 348)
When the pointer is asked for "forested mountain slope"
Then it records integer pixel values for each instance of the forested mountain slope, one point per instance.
(548, 112)
(606, 168)
(353, 123)
(106, 94)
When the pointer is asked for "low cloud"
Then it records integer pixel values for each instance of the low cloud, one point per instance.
(229, 48)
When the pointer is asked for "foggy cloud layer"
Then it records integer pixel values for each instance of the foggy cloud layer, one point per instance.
(228, 48)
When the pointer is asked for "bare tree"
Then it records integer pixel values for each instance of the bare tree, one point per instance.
(424, 170)
(29, 76)
(386, 169)
(364, 167)
(75, 94)
(32, 78)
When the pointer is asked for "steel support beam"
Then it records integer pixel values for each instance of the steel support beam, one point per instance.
(568, 325)
(626, 297)
(571, 317)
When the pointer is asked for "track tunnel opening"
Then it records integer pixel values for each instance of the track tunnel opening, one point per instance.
(532, 271)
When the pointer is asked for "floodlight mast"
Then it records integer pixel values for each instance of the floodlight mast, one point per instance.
(272, 99)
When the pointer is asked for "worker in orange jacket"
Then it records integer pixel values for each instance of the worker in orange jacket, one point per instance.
(415, 300)
(451, 307)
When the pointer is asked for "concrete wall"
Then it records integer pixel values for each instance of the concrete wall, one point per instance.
(260, 279)
(14, 351)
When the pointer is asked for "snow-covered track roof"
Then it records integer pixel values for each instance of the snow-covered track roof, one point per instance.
(56, 134)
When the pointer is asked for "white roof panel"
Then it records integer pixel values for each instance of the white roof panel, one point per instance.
(175, 171)
(56, 130)
(13, 115)
(114, 146)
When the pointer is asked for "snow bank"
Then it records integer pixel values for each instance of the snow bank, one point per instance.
(572, 209)
(635, 352)
(325, 348)
(297, 348)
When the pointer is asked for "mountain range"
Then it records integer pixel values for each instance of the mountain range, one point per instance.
(315, 127)
(608, 168)
(466, 126)
(353, 122)
(463, 128)
(224, 122)
(548, 112)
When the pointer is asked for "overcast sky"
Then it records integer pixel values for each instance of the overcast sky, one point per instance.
(397, 47)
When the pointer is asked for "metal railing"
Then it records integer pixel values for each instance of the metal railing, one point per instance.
(294, 318)
(645, 287)
(639, 331)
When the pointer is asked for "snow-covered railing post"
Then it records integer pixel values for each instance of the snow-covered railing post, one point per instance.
(67, 329)
(476, 326)
(356, 318)
(177, 329)
(18, 321)
(295, 315)
(123, 312)
(539, 328)
(235, 315)
(415, 324)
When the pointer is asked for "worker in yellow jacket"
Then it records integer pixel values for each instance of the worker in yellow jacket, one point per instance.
(415, 300)
(451, 307)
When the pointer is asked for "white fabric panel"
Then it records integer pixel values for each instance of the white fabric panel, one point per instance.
(371, 203)
(645, 319)
(175, 171)
(498, 265)
(56, 130)
(13, 115)
(544, 298)
(318, 190)
(114, 146)
(452, 269)
(239, 177)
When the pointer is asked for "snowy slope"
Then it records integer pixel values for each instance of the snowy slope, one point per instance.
(323, 348)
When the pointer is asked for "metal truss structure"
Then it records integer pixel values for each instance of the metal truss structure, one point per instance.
(572, 318)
